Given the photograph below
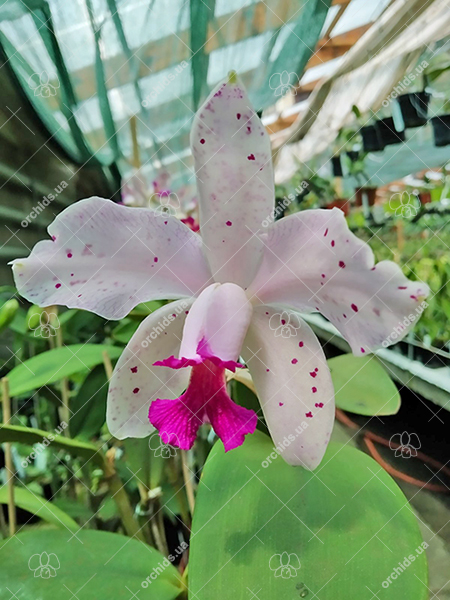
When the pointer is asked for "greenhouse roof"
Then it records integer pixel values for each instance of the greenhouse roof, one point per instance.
(156, 61)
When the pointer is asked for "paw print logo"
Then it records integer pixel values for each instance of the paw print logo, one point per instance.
(405, 444)
(404, 205)
(40, 83)
(169, 204)
(47, 325)
(285, 324)
(285, 565)
(282, 83)
(44, 565)
(163, 446)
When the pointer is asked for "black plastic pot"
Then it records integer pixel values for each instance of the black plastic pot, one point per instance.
(371, 139)
(353, 155)
(337, 167)
(387, 132)
(441, 130)
(414, 108)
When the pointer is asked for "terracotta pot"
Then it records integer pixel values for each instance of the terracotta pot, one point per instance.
(371, 193)
(425, 197)
(342, 203)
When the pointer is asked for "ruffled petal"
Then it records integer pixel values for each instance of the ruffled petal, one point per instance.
(107, 258)
(235, 181)
(312, 262)
(230, 421)
(205, 400)
(136, 382)
(294, 388)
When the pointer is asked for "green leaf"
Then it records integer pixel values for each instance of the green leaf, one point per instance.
(39, 506)
(362, 386)
(56, 364)
(125, 330)
(74, 508)
(347, 524)
(27, 435)
(94, 565)
(89, 406)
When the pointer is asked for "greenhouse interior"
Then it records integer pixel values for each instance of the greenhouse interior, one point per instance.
(204, 396)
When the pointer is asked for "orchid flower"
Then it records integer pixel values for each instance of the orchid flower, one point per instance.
(232, 284)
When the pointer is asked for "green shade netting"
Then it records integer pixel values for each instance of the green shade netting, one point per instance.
(89, 66)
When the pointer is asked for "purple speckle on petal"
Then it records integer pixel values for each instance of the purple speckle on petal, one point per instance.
(362, 350)
(354, 307)
(332, 243)
(69, 255)
(251, 157)
(309, 415)
(136, 390)
(326, 232)
(318, 404)
(314, 390)
(228, 223)
(280, 403)
(133, 369)
(402, 287)
(300, 344)
(342, 264)
(58, 285)
(294, 361)
(238, 116)
(202, 141)
(155, 259)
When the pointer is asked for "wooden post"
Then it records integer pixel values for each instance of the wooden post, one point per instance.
(8, 458)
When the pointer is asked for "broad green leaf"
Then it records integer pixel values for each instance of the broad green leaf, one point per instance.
(362, 385)
(27, 435)
(89, 405)
(94, 565)
(39, 506)
(125, 330)
(243, 395)
(74, 508)
(344, 528)
(56, 364)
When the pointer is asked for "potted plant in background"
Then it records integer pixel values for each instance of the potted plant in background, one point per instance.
(437, 73)
(355, 167)
(414, 108)
(414, 105)
(347, 142)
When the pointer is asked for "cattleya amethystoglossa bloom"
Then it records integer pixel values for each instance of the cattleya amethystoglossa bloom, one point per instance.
(229, 283)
